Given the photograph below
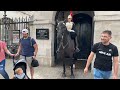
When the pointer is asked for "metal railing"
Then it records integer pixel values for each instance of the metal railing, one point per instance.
(10, 30)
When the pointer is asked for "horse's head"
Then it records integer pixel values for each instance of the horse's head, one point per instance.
(60, 31)
(60, 27)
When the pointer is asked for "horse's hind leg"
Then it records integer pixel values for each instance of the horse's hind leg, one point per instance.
(64, 70)
(72, 74)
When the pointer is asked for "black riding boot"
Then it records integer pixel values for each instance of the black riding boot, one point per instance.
(76, 45)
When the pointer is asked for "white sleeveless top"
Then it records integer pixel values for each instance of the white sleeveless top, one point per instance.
(69, 26)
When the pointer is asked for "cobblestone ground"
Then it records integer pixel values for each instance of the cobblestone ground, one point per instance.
(45, 72)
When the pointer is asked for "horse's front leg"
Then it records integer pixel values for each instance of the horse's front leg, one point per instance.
(64, 69)
(72, 73)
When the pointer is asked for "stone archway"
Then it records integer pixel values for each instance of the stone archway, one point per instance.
(84, 26)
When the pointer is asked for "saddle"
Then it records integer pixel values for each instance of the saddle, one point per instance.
(73, 35)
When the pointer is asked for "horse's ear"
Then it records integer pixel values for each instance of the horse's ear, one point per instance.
(57, 21)
(64, 20)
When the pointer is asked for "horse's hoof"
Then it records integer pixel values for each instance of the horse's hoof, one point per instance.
(72, 76)
(63, 75)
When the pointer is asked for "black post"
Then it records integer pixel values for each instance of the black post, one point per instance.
(5, 24)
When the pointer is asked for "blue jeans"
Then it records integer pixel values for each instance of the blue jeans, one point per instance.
(2, 70)
(98, 74)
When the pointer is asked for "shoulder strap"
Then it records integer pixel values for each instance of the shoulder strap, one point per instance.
(15, 78)
(24, 77)
(31, 41)
(98, 45)
(113, 47)
(21, 39)
(18, 78)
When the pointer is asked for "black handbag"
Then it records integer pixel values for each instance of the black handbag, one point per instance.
(34, 63)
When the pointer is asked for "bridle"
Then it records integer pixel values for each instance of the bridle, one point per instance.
(61, 43)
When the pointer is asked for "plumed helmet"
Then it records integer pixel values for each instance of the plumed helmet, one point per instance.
(69, 16)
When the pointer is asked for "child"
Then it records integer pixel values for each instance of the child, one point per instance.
(19, 74)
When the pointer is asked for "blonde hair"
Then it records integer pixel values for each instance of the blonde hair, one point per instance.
(18, 70)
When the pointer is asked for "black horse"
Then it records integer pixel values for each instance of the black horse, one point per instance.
(66, 46)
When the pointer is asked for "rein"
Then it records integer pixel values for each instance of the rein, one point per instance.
(61, 44)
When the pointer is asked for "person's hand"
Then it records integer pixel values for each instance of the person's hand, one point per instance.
(85, 70)
(16, 54)
(12, 54)
(34, 57)
(115, 77)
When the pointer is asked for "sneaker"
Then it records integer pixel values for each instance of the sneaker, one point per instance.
(73, 65)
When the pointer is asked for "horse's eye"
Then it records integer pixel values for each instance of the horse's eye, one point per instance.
(56, 29)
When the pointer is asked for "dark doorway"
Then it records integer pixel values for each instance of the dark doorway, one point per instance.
(84, 27)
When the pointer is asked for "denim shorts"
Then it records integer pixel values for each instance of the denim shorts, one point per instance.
(98, 74)
(2, 65)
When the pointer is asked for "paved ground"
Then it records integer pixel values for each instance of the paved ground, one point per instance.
(45, 72)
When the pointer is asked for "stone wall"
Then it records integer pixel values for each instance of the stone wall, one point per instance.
(109, 22)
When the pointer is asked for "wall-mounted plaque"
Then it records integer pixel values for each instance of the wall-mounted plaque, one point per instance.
(16, 36)
(42, 34)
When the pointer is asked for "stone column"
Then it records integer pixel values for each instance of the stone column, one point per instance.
(45, 54)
